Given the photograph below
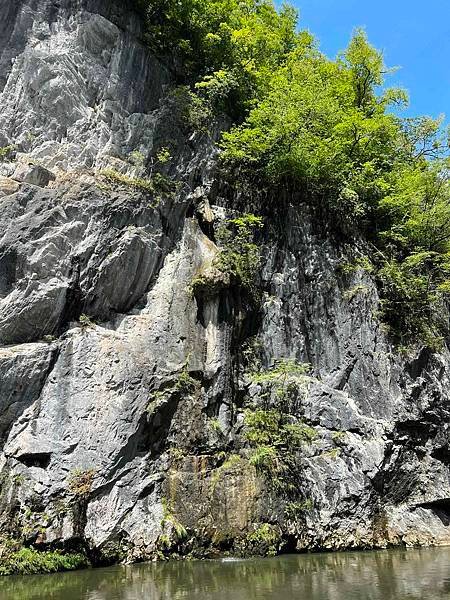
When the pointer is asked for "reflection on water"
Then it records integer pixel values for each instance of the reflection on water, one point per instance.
(384, 575)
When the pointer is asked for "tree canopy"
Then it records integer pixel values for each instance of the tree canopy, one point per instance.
(329, 127)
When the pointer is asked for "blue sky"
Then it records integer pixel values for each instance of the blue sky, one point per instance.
(413, 35)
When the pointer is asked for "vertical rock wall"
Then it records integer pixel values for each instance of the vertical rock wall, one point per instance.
(123, 429)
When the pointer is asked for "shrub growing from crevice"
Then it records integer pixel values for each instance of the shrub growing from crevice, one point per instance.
(264, 540)
(7, 153)
(237, 262)
(86, 322)
(80, 483)
(174, 533)
(276, 437)
(79, 488)
(275, 440)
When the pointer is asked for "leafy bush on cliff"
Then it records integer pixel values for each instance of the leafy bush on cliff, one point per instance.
(237, 261)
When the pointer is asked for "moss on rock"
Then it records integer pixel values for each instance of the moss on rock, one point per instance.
(29, 561)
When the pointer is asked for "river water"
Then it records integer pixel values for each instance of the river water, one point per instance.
(381, 575)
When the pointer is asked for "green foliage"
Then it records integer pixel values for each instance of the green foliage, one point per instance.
(357, 290)
(189, 109)
(283, 370)
(80, 483)
(18, 479)
(264, 427)
(334, 453)
(49, 339)
(215, 425)
(185, 383)
(326, 127)
(338, 436)
(264, 459)
(273, 433)
(7, 153)
(322, 125)
(114, 176)
(176, 531)
(162, 157)
(270, 428)
(137, 158)
(264, 540)
(416, 211)
(28, 561)
(182, 385)
(230, 46)
(237, 261)
(231, 461)
(33, 523)
(159, 185)
(362, 263)
(413, 291)
(176, 454)
(86, 321)
(295, 509)
(275, 440)
(423, 138)
(298, 434)
(286, 383)
(239, 256)
(415, 274)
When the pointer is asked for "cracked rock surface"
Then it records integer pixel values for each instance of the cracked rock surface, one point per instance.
(113, 369)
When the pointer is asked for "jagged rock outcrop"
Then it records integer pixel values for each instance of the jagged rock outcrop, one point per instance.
(122, 391)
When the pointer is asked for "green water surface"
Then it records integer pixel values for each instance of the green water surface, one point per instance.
(383, 575)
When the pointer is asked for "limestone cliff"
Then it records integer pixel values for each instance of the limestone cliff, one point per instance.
(123, 392)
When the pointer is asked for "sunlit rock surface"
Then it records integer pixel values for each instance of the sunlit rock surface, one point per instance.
(112, 367)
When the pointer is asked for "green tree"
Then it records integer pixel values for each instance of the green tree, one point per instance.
(325, 128)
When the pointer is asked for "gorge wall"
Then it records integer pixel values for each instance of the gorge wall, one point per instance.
(122, 392)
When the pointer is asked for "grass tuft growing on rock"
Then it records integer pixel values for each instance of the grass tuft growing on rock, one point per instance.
(158, 185)
(136, 183)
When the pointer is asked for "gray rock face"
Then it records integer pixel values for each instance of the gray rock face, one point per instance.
(68, 90)
(33, 174)
(122, 394)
